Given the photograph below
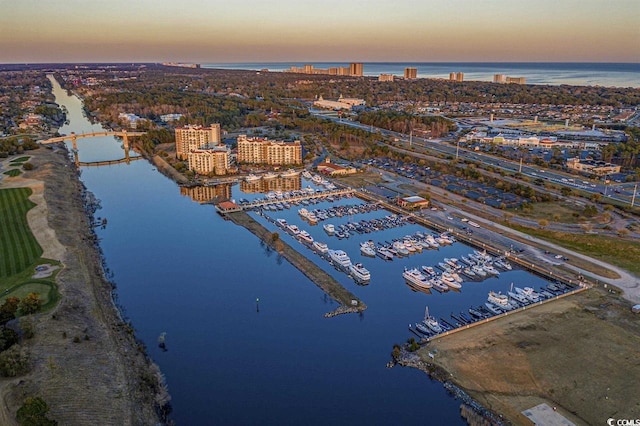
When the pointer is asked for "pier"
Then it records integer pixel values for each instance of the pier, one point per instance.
(263, 202)
(349, 303)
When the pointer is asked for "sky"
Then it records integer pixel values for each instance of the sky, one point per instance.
(214, 31)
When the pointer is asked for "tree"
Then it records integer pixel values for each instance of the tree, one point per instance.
(30, 304)
(27, 166)
(14, 361)
(34, 413)
(543, 223)
(8, 309)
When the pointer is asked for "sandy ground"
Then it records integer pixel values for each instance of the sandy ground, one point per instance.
(578, 354)
(86, 363)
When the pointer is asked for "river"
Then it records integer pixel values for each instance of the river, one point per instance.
(181, 269)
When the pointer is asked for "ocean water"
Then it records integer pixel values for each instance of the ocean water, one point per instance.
(552, 73)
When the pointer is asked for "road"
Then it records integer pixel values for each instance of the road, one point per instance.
(621, 192)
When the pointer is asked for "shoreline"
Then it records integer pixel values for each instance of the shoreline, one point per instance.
(126, 386)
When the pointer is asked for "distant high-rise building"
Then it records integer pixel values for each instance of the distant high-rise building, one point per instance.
(189, 138)
(499, 78)
(356, 69)
(385, 77)
(410, 73)
(308, 69)
(456, 76)
(517, 80)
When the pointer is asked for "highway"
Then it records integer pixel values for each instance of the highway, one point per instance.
(621, 192)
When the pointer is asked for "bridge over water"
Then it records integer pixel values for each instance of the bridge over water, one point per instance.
(73, 137)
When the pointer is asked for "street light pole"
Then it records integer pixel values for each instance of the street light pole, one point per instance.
(633, 197)
(457, 149)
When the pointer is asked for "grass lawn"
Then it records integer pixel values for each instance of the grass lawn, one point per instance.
(553, 212)
(20, 160)
(47, 291)
(18, 246)
(13, 172)
(615, 250)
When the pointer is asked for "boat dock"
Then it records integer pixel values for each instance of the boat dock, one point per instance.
(269, 201)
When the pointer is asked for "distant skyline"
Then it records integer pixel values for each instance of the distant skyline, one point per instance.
(319, 31)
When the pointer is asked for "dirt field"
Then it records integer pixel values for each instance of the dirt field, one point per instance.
(579, 354)
(101, 377)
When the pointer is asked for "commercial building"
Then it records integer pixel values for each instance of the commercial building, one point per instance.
(263, 151)
(593, 167)
(215, 160)
(385, 77)
(331, 169)
(341, 103)
(413, 202)
(410, 73)
(195, 137)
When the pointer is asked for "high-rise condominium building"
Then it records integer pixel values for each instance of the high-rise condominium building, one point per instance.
(356, 69)
(263, 151)
(214, 160)
(195, 137)
(499, 78)
(456, 76)
(410, 73)
(517, 80)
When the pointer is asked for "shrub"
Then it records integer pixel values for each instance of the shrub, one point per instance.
(34, 412)
(14, 361)
(27, 166)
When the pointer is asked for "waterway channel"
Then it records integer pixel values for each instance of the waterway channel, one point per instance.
(183, 270)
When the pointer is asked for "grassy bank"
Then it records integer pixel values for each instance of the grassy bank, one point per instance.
(614, 250)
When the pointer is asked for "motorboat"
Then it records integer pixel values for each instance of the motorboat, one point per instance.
(252, 178)
(282, 223)
(340, 257)
(400, 248)
(498, 299)
(320, 247)
(269, 175)
(529, 293)
(329, 228)
(429, 270)
(479, 271)
(415, 277)
(305, 236)
(384, 253)
(293, 229)
(359, 271)
(303, 212)
(450, 281)
(439, 285)
(289, 173)
(367, 250)
(431, 322)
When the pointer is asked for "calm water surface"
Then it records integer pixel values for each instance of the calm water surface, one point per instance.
(181, 269)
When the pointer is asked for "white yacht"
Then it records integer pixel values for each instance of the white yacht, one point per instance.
(340, 257)
(384, 253)
(359, 271)
(252, 178)
(450, 281)
(416, 278)
(429, 270)
(400, 248)
(329, 228)
(479, 271)
(269, 175)
(367, 249)
(499, 299)
(289, 173)
(320, 247)
(293, 229)
(529, 293)
(305, 236)
(431, 322)
(306, 174)
(282, 223)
